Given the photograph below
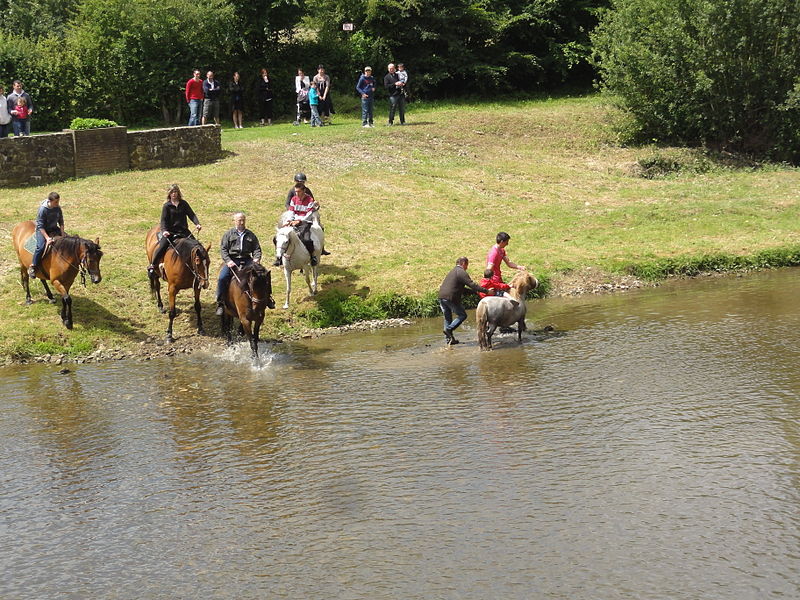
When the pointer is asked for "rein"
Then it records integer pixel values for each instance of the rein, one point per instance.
(80, 267)
(197, 277)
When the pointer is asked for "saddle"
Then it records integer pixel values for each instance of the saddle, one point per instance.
(30, 245)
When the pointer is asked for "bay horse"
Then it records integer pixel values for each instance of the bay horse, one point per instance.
(61, 263)
(293, 254)
(249, 294)
(185, 266)
(499, 311)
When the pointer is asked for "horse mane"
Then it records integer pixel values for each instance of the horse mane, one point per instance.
(259, 271)
(71, 244)
(184, 247)
(524, 279)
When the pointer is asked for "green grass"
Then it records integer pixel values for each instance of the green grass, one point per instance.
(401, 204)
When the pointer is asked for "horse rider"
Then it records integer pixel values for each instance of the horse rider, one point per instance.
(301, 178)
(302, 207)
(49, 222)
(174, 214)
(239, 247)
(450, 293)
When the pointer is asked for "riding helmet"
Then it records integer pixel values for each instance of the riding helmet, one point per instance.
(300, 177)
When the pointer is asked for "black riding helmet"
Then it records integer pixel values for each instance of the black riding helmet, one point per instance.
(300, 177)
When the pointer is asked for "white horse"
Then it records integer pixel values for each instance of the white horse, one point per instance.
(293, 254)
(500, 311)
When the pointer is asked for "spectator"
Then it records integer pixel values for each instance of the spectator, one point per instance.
(301, 85)
(264, 94)
(5, 116)
(313, 102)
(236, 90)
(194, 97)
(211, 93)
(394, 88)
(402, 74)
(21, 127)
(366, 89)
(20, 114)
(323, 82)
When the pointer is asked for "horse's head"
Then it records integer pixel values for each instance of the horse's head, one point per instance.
(200, 262)
(282, 237)
(91, 259)
(523, 282)
(260, 282)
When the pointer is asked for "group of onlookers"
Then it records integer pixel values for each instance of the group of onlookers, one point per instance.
(15, 111)
(314, 103)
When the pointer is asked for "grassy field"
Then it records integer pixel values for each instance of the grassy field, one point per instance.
(401, 204)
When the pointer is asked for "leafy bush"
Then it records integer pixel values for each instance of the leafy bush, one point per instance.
(721, 74)
(91, 123)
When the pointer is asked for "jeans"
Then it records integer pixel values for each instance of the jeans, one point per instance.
(225, 276)
(4, 130)
(40, 246)
(21, 127)
(315, 120)
(194, 111)
(366, 111)
(397, 102)
(448, 308)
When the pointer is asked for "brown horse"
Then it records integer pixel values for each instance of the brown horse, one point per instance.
(249, 294)
(185, 266)
(61, 263)
(499, 311)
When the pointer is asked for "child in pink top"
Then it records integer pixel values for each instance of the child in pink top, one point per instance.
(21, 110)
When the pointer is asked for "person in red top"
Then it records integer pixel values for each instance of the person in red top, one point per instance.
(491, 283)
(194, 97)
(302, 208)
(497, 254)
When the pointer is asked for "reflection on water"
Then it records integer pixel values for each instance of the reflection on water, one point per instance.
(647, 449)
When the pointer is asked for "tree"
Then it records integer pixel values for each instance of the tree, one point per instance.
(724, 73)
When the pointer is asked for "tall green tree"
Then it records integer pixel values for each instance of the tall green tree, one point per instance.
(725, 73)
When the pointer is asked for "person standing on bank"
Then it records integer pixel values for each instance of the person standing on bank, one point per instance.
(264, 94)
(211, 93)
(20, 126)
(397, 101)
(194, 97)
(366, 89)
(5, 116)
(236, 91)
(450, 293)
(323, 82)
(49, 223)
(174, 215)
(239, 247)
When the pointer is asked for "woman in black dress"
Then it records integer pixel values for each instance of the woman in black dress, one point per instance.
(264, 95)
(236, 90)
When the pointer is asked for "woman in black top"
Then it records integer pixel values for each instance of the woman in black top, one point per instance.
(264, 94)
(236, 90)
(174, 225)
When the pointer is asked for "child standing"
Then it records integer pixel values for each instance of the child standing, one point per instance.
(21, 112)
(313, 101)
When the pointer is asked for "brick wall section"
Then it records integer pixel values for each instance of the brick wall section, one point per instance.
(102, 150)
(174, 147)
(41, 159)
(36, 160)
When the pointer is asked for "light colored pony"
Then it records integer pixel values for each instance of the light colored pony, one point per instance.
(500, 311)
(293, 254)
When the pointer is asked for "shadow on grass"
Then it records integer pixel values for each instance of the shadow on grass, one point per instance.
(93, 315)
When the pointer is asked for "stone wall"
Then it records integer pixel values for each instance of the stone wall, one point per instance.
(174, 147)
(42, 159)
(36, 160)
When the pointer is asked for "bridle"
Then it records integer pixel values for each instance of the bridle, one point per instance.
(199, 280)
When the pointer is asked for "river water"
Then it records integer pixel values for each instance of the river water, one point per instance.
(648, 448)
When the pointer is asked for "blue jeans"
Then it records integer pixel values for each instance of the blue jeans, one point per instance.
(4, 130)
(40, 245)
(225, 276)
(397, 102)
(366, 111)
(21, 127)
(315, 120)
(448, 308)
(194, 111)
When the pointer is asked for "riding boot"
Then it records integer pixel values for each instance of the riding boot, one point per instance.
(32, 271)
(220, 308)
(313, 261)
(325, 252)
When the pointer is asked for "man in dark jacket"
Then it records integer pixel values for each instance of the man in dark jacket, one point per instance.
(450, 293)
(239, 248)
(49, 223)
(394, 88)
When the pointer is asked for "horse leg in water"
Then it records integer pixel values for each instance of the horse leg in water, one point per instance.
(173, 292)
(256, 331)
(288, 276)
(225, 325)
(247, 325)
(489, 333)
(25, 280)
(66, 303)
(520, 328)
(48, 292)
(197, 308)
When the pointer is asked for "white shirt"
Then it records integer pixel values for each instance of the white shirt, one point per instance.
(5, 116)
(306, 80)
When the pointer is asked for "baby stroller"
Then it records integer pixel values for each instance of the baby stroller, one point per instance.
(303, 106)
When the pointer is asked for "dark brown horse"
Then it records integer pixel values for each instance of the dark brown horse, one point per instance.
(249, 294)
(61, 263)
(185, 266)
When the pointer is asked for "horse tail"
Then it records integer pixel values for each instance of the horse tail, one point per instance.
(482, 322)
